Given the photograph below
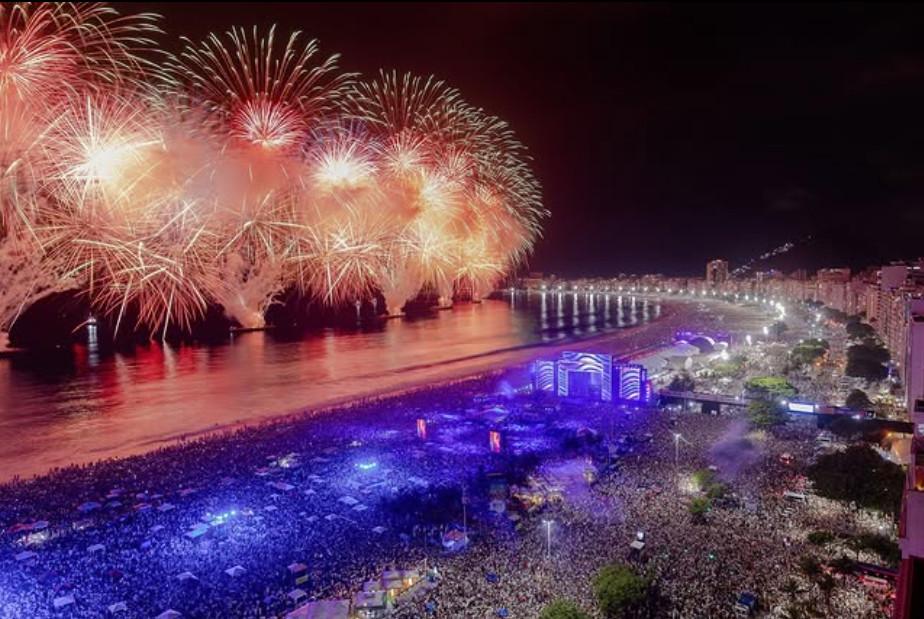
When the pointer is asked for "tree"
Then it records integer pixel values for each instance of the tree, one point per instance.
(867, 360)
(765, 414)
(563, 609)
(826, 584)
(842, 564)
(619, 590)
(810, 567)
(820, 538)
(882, 545)
(770, 387)
(858, 400)
(859, 330)
(860, 475)
(699, 507)
(702, 478)
(808, 351)
(682, 382)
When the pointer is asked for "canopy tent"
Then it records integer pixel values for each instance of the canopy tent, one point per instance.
(296, 568)
(169, 614)
(235, 571)
(64, 600)
(322, 609)
(96, 548)
(186, 576)
(297, 595)
(197, 531)
(369, 601)
(118, 607)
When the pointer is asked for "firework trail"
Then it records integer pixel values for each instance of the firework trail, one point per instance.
(244, 166)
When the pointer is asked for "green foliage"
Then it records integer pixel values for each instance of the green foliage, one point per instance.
(716, 490)
(859, 330)
(882, 545)
(682, 382)
(810, 567)
(702, 478)
(842, 564)
(733, 368)
(699, 507)
(860, 475)
(619, 590)
(770, 387)
(765, 414)
(563, 609)
(867, 360)
(858, 400)
(808, 351)
(836, 315)
(821, 538)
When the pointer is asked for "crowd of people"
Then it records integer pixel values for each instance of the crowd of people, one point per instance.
(750, 542)
(163, 531)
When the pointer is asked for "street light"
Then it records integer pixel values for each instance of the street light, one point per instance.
(676, 448)
(548, 537)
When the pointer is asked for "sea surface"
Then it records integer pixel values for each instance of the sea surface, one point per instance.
(80, 405)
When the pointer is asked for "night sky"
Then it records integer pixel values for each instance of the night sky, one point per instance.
(667, 135)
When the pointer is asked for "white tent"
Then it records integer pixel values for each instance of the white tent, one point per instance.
(235, 571)
(186, 576)
(297, 595)
(96, 548)
(348, 500)
(323, 609)
(197, 531)
(169, 614)
(64, 600)
(118, 607)
(297, 568)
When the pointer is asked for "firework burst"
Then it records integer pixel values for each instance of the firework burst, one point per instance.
(249, 165)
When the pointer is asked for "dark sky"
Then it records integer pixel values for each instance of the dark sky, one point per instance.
(665, 135)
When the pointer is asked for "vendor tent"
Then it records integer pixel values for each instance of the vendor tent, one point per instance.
(297, 595)
(322, 609)
(235, 571)
(169, 614)
(64, 600)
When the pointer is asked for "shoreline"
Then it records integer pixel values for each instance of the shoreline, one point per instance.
(496, 362)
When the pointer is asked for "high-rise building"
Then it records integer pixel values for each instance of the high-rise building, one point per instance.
(716, 272)
(909, 595)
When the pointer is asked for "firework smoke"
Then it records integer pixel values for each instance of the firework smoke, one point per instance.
(244, 166)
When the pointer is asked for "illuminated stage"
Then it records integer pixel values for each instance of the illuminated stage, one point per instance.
(592, 376)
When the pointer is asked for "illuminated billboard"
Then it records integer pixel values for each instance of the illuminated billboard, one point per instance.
(599, 367)
(544, 376)
(633, 382)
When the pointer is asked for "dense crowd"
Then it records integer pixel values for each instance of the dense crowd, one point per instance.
(751, 540)
(335, 497)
